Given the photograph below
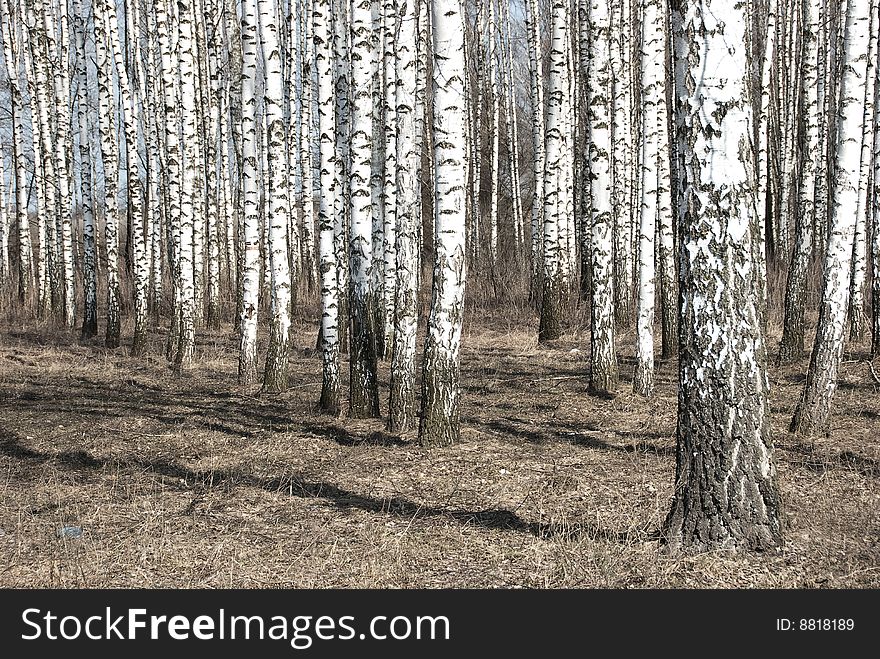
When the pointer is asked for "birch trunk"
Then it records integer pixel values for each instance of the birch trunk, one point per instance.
(10, 27)
(90, 260)
(536, 77)
(603, 357)
(858, 317)
(791, 345)
(441, 386)
(390, 191)
(134, 183)
(813, 411)
(725, 494)
(402, 404)
(275, 376)
(250, 274)
(110, 159)
(364, 392)
(329, 336)
(555, 162)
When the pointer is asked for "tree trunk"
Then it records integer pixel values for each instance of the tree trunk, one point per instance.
(329, 336)
(441, 388)
(402, 405)
(725, 493)
(813, 410)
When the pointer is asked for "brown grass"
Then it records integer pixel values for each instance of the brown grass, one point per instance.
(193, 482)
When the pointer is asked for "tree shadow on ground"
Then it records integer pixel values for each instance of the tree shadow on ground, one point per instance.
(185, 479)
(819, 462)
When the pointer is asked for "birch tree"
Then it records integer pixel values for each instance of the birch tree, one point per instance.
(402, 404)
(90, 256)
(275, 377)
(791, 345)
(326, 82)
(9, 23)
(555, 163)
(725, 493)
(441, 387)
(603, 357)
(364, 391)
(536, 79)
(812, 412)
(250, 275)
(110, 161)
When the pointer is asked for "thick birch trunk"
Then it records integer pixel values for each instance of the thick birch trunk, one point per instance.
(725, 495)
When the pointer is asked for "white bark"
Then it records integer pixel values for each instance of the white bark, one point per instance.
(250, 275)
(812, 413)
(725, 491)
(603, 357)
(275, 378)
(440, 401)
(329, 337)
(536, 71)
(9, 23)
(403, 367)
(554, 166)
(90, 260)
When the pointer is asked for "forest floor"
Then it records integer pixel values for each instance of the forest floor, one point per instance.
(194, 482)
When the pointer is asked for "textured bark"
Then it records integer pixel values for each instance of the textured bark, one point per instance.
(134, 183)
(725, 494)
(341, 19)
(364, 391)
(329, 336)
(625, 164)
(250, 275)
(791, 345)
(10, 27)
(90, 257)
(57, 38)
(603, 356)
(402, 403)
(858, 317)
(307, 140)
(390, 191)
(166, 28)
(110, 159)
(813, 411)
(555, 163)
(875, 214)
(441, 388)
(536, 78)
(275, 375)
(189, 188)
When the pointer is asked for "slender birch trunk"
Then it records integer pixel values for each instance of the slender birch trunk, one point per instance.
(791, 345)
(275, 376)
(10, 28)
(857, 316)
(250, 229)
(536, 76)
(555, 163)
(726, 495)
(364, 392)
(306, 140)
(603, 357)
(441, 387)
(402, 404)
(90, 260)
(134, 183)
(110, 159)
(813, 410)
(390, 191)
(329, 336)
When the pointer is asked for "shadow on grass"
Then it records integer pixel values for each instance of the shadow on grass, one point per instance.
(820, 463)
(184, 479)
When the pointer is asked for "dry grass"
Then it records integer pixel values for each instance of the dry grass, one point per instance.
(193, 482)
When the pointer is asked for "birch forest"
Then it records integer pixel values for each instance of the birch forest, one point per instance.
(465, 293)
